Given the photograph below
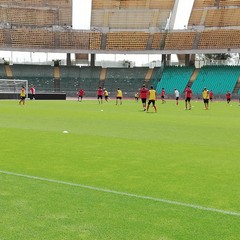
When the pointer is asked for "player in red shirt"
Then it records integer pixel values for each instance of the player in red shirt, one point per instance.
(211, 95)
(143, 95)
(80, 94)
(163, 95)
(228, 97)
(32, 91)
(188, 96)
(100, 95)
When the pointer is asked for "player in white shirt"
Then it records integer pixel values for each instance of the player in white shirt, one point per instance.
(176, 92)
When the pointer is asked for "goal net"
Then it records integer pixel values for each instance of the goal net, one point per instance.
(10, 88)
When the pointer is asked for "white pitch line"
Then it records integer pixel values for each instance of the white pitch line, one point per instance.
(125, 194)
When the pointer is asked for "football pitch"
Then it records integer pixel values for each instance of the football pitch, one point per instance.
(82, 170)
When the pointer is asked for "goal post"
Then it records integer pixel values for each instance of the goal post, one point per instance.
(10, 88)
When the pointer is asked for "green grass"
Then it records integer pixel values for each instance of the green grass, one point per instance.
(185, 156)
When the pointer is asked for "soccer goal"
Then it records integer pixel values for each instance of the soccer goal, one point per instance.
(10, 88)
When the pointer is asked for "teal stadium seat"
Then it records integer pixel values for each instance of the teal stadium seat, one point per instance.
(219, 79)
(174, 77)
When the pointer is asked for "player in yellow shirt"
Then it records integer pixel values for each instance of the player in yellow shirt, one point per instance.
(152, 98)
(119, 96)
(22, 95)
(105, 93)
(205, 96)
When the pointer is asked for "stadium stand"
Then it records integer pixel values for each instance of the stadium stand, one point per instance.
(237, 88)
(219, 39)
(32, 38)
(131, 14)
(219, 79)
(141, 25)
(196, 17)
(224, 3)
(84, 77)
(215, 3)
(95, 40)
(3, 37)
(40, 76)
(90, 72)
(174, 77)
(205, 3)
(180, 40)
(68, 77)
(222, 17)
(112, 4)
(38, 3)
(21, 70)
(215, 17)
(36, 12)
(74, 39)
(2, 71)
(73, 78)
(27, 16)
(127, 40)
(129, 80)
(153, 81)
(213, 13)
(69, 71)
(42, 84)
(158, 41)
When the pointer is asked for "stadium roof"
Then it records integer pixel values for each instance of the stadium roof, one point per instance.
(113, 15)
(120, 26)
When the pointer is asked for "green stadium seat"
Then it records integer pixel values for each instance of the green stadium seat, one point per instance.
(174, 77)
(219, 79)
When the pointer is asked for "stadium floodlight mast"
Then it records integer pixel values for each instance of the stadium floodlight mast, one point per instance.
(13, 87)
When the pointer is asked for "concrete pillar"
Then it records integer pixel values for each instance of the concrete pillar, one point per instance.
(187, 60)
(164, 59)
(69, 63)
(93, 57)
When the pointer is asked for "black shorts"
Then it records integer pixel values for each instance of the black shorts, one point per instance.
(188, 99)
(23, 98)
(162, 97)
(106, 97)
(118, 97)
(151, 101)
(205, 100)
(177, 98)
(99, 97)
(144, 100)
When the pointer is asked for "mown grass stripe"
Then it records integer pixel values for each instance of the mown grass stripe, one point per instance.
(124, 194)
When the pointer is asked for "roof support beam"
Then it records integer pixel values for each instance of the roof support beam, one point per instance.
(173, 15)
